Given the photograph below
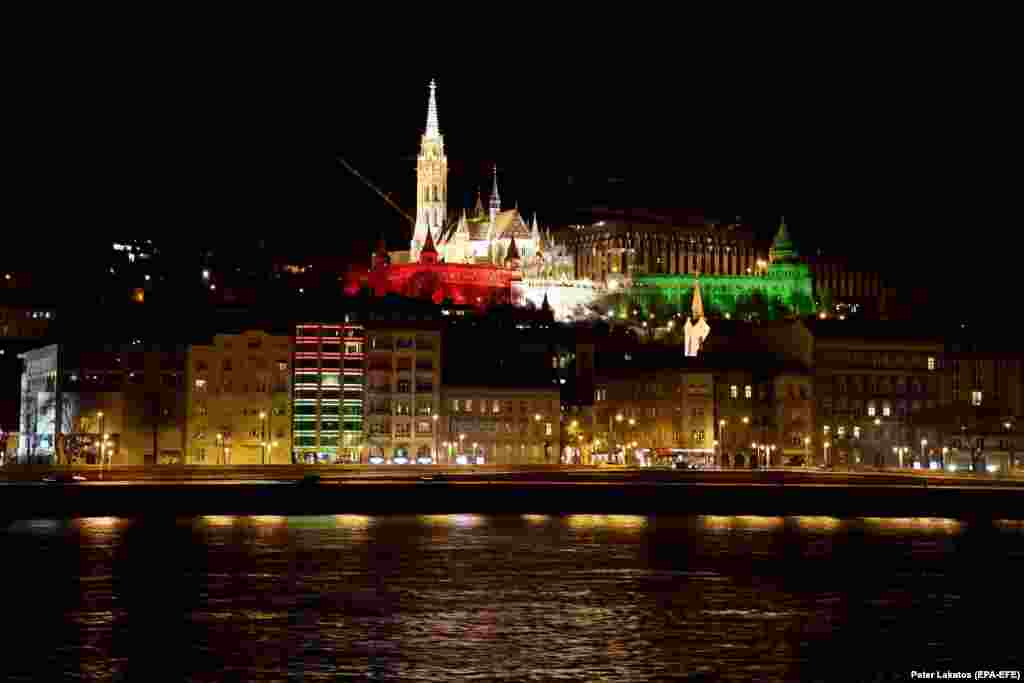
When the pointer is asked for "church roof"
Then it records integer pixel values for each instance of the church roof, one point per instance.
(510, 224)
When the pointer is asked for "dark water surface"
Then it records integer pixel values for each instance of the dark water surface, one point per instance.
(508, 597)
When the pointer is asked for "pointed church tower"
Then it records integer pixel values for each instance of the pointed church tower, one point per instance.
(431, 179)
(697, 309)
(696, 329)
(495, 204)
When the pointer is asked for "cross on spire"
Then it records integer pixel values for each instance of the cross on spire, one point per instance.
(433, 129)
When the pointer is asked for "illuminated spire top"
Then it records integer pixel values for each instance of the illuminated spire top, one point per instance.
(495, 199)
(698, 303)
(433, 130)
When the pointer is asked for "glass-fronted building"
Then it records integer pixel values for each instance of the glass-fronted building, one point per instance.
(327, 392)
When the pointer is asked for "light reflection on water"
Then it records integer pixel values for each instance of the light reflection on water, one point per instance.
(514, 597)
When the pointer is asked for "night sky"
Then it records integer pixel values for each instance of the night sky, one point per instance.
(903, 161)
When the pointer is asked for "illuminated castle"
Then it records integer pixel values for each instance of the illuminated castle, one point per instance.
(484, 236)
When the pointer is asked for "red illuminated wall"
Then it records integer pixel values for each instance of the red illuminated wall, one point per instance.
(462, 283)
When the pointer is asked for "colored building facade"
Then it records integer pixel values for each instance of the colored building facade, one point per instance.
(328, 392)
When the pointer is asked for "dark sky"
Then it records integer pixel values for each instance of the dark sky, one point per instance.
(901, 152)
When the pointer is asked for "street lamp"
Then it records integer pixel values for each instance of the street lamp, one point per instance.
(826, 444)
(437, 456)
(99, 416)
(220, 442)
(263, 437)
(721, 435)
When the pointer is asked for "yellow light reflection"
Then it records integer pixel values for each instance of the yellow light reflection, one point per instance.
(537, 519)
(818, 523)
(219, 520)
(607, 521)
(100, 522)
(760, 523)
(267, 520)
(914, 523)
(462, 521)
(352, 521)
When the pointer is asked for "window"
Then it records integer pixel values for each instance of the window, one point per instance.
(886, 409)
(468, 405)
(200, 385)
(496, 407)
(734, 391)
(698, 436)
(748, 391)
(202, 410)
(547, 428)
(227, 365)
(871, 408)
(975, 398)
(931, 362)
(698, 412)
(600, 395)
(201, 366)
(282, 366)
(423, 427)
(841, 431)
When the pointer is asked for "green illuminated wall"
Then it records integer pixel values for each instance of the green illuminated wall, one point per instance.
(787, 289)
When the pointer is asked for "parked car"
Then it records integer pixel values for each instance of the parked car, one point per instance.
(63, 478)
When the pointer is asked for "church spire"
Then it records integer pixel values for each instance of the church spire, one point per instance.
(433, 130)
(698, 303)
(495, 198)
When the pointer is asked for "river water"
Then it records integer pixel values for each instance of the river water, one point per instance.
(508, 597)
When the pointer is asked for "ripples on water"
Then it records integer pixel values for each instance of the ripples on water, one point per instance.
(519, 597)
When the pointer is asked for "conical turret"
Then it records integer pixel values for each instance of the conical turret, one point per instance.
(512, 256)
(782, 249)
(429, 253)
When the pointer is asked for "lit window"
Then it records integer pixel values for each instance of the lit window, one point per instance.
(200, 385)
(871, 409)
(976, 398)
(931, 362)
(469, 405)
(497, 406)
(547, 428)
(842, 431)
(734, 391)
(748, 391)
(886, 409)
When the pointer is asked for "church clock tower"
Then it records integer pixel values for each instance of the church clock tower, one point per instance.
(431, 181)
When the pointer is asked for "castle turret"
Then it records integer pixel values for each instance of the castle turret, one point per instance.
(782, 249)
(512, 257)
(429, 253)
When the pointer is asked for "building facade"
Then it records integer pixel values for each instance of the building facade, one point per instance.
(504, 425)
(118, 405)
(403, 393)
(328, 392)
(238, 398)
